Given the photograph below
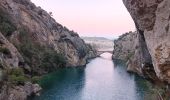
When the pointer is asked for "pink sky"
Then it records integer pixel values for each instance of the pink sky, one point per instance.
(107, 18)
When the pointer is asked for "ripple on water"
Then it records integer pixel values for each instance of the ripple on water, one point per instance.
(101, 79)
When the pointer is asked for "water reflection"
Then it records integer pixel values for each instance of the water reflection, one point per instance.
(65, 84)
(101, 79)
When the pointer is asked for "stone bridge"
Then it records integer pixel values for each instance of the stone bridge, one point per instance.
(104, 51)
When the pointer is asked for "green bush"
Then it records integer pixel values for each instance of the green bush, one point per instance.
(16, 76)
(6, 27)
(35, 79)
(29, 50)
(17, 72)
(51, 60)
(37, 56)
(17, 80)
(24, 35)
(4, 50)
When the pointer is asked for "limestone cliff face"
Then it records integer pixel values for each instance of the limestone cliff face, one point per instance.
(10, 58)
(123, 48)
(9, 55)
(19, 92)
(43, 30)
(152, 18)
(31, 40)
(126, 48)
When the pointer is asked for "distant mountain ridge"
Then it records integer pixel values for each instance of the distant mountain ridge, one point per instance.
(95, 38)
(100, 43)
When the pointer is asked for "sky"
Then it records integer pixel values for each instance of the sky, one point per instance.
(101, 18)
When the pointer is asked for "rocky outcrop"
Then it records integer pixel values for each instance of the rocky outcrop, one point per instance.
(31, 40)
(152, 19)
(10, 58)
(130, 48)
(126, 48)
(19, 92)
(27, 19)
(123, 48)
(9, 55)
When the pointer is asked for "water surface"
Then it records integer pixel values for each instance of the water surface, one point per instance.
(101, 79)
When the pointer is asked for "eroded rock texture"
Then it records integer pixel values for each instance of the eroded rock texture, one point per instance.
(152, 18)
(9, 55)
(31, 40)
(126, 48)
(19, 92)
(28, 20)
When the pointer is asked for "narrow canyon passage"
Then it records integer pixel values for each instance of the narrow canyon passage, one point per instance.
(44, 43)
(101, 79)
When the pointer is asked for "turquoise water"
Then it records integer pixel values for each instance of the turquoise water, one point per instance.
(101, 79)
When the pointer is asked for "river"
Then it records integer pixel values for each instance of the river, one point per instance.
(101, 79)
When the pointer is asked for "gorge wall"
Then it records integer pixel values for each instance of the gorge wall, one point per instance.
(126, 49)
(28, 22)
(33, 43)
(152, 18)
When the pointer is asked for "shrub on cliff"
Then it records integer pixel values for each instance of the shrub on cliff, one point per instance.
(17, 80)
(17, 76)
(6, 27)
(38, 56)
(17, 72)
(44, 58)
(4, 50)
(51, 60)
(35, 79)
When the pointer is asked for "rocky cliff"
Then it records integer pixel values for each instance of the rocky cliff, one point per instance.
(26, 21)
(32, 43)
(151, 45)
(126, 49)
(152, 19)
(129, 47)
(125, 45)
